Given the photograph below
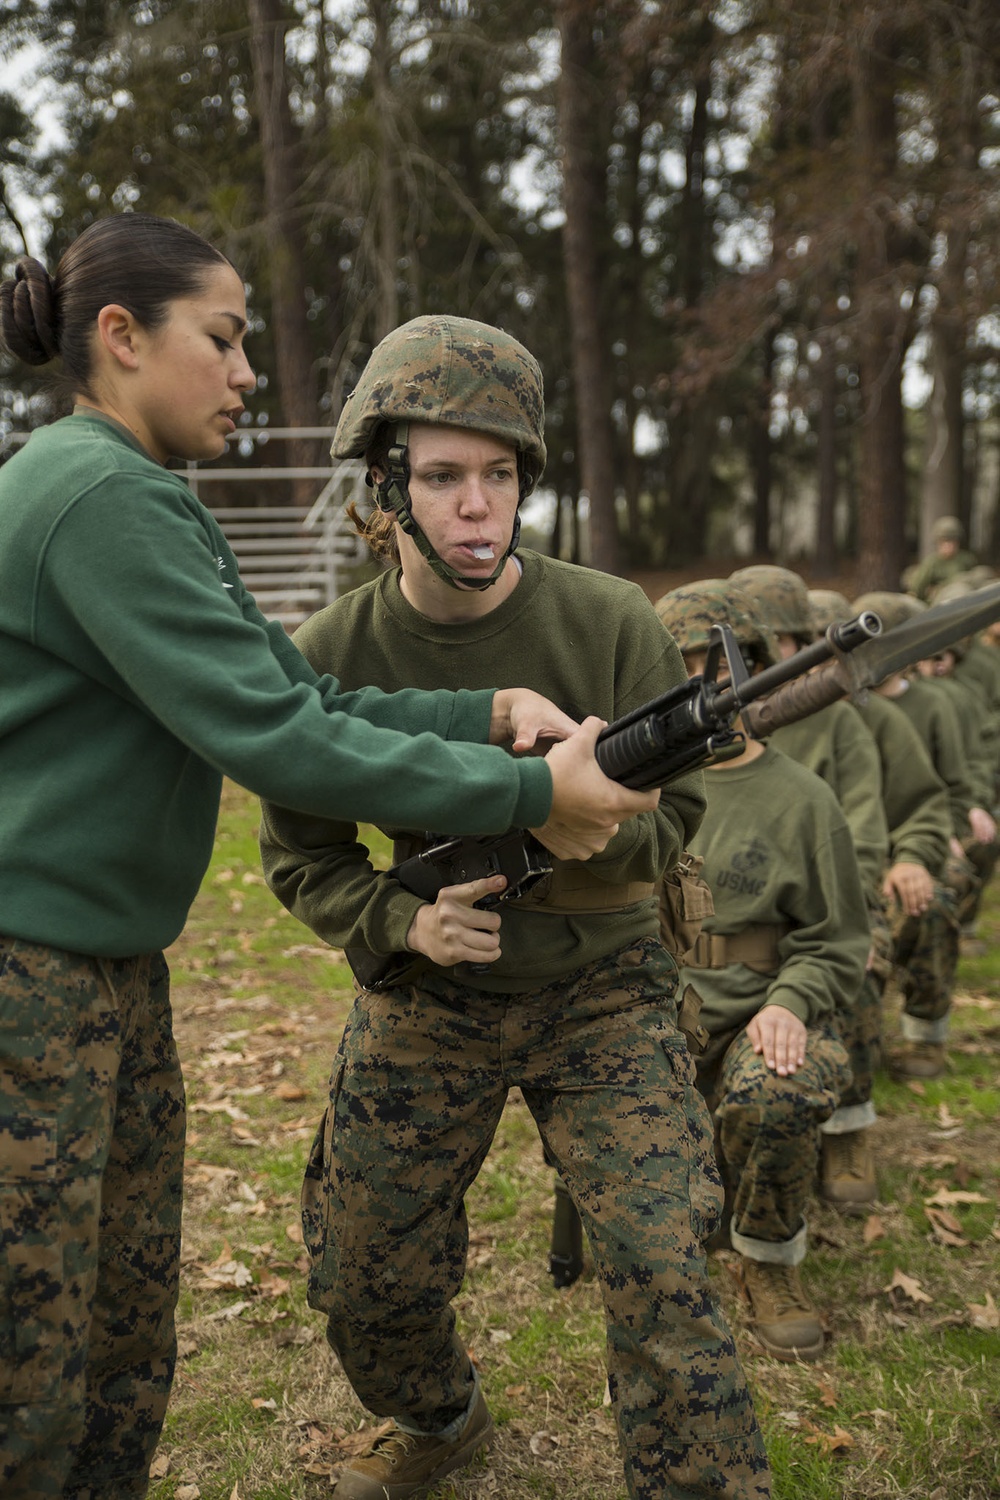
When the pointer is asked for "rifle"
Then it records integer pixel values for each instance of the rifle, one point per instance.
(688, 727)
(926, 634)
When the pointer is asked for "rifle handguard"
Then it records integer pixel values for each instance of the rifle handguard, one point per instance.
(796, 700)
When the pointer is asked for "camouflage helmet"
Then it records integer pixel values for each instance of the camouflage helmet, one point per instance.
(828, 607)
(452, 371)
(947, 529)
(690, 611)
(955, 588)
(892, 609)
(781, 599)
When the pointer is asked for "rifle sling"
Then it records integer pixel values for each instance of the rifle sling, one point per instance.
(756, 947)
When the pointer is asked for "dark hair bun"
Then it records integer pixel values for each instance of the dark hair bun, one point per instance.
(28, 313)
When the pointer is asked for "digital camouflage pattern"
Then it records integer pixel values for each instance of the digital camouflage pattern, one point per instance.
(453, 371)
(781, 598)
(892, 609)
(417, 1092)
(828, 607)
(766, 1128)
(690, 611)
(92, 1126)
(926, 950)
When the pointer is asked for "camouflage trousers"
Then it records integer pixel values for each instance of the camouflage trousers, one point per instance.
(417, 1092)
(92, 1126)
(860, 1028)
(767, 1133)
(925, 951)
(966, 877)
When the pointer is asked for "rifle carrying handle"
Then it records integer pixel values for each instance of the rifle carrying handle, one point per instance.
(796, 700)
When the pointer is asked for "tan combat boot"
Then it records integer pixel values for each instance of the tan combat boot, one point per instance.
(920, 1060)
(402, 1466)
(847, 1171)
(784, 1319)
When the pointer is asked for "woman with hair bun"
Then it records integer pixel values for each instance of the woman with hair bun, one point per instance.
(136, 672)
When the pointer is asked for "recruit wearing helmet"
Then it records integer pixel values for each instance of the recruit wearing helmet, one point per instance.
(947, 529)
(457, 373)
(781, 599)
(690, 611)
(892, 609)
(828, 607)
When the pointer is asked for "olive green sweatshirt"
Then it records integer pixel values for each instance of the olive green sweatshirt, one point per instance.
(590, 642)
(972, 719)
(777, 850)
(936, 722)
(136, 670)
(838, 748)
(914, 796)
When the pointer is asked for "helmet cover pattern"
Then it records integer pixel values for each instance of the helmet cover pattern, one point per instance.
(451, 371)
(690, 611)
(781, 598)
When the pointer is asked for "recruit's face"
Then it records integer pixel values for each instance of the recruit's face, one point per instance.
(463, 492)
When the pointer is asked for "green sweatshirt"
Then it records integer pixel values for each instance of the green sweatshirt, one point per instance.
(914, 796)
(933, 571)
(936, 722)
(838, 748)
(137, 670)
(590, 642)
(971, 722)
(979, 666)
(777, 849)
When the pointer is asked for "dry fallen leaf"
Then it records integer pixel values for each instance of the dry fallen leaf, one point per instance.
(945, 1118)
(945, 1228)
(874, 1229)
(908, 1285)
(289, 1092)
(827, 1393)
(225, 1313)
(946, 1198)
(543, 1444)
(294, 1233)
(837, 1441)
(160, 1467)
(187, 1492)
(985, 1315)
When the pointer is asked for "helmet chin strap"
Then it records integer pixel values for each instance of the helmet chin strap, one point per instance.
(392, 494)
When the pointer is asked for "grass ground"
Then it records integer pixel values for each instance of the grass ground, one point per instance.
(905, 1404)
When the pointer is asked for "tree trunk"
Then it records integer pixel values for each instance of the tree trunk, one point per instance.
(944, 489)
(826, 461)
(881, 323)
(761, 454)
(292, 345)
(584, 230)
(386, 198)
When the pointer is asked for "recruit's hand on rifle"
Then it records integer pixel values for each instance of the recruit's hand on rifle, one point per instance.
(450, 930)
(527, 721)
(587, 806)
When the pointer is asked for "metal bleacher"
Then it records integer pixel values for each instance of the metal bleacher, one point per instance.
(294, 559)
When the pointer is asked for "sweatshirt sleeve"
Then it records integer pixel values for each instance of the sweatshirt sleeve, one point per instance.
(131, 589)
(823, 956)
